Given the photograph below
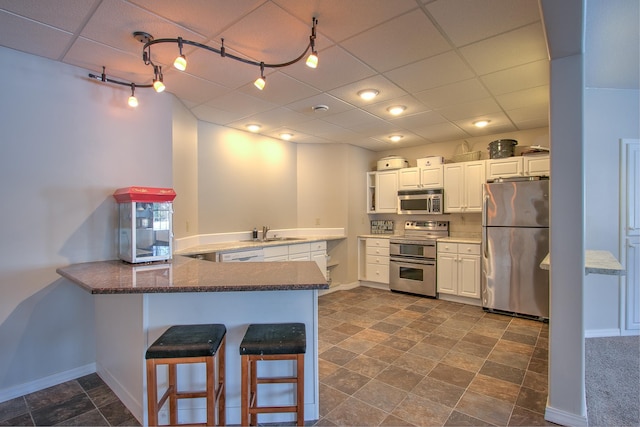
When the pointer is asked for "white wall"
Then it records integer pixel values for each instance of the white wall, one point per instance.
(610, 114)
(67, 144)
(244, 181)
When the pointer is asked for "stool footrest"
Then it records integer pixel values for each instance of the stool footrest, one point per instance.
(272, 409)
(277, 380)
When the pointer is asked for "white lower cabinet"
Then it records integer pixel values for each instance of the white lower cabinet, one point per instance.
(374, 260)
(315, 251)
(458, 269)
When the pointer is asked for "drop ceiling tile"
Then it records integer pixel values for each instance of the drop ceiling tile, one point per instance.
(276, 118)
(514, 79)
(114, 22)
(386, 46)
(481, 19)
(268, 34)
(210, 66)
(240, 103)
(387, 90)
(412, 121)
(429, 73)
(538, 96)
(120, 65)
(280, 89)
(340, 19)
(471, 110)
(349, 118)
(336, 68)
(68, 15)
(298, 137)
(215, 115)
(194, 89)
(521, 116)
(43, 40)
(507, 50)
(316, 127)
(205, 17)
(441, 132)
(379, 128)
(408, 139)
(413, 106)
(455, 93)
(305, 106)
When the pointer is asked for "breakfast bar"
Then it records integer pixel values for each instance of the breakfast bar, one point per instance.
(135, 304)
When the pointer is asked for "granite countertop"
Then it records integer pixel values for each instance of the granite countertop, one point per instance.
(251, 244)
(184, 274)
(596, 262)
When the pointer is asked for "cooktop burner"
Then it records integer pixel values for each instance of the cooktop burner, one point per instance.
(423, 230)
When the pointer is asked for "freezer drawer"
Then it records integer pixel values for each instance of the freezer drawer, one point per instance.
(512, 280)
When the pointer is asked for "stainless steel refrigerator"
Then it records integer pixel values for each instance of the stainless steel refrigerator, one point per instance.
(515, 239)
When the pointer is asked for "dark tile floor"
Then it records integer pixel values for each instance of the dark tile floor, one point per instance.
(389, 359)
(386, 359)
(86, 401)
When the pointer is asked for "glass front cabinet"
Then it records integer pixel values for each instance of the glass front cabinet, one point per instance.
(145, 229)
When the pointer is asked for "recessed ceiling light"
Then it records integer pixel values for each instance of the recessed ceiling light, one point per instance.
(396, 138)
(286, 136)
(396, 109)
(368, 94)
(481, 123)
(253, 127)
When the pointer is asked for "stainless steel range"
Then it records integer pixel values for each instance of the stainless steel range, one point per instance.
(412, 263)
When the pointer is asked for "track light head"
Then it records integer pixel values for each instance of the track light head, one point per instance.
(181, 61)
(158, 84)
(133, 101)
(260, 81)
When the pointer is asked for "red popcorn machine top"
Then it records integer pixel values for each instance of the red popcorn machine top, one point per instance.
(145, 228)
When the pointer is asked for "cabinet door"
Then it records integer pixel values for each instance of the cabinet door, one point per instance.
(432, 177)
(453, 187)
(504, 168)
(447, 273)
(387, 192)
(469, 276)
(537, 165)
(474, 177)
(378, 272)
(306, 256)
(408, 179)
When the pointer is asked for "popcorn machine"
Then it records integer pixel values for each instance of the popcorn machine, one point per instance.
(145, 228)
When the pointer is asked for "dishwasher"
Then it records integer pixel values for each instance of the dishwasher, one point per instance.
(253, 255)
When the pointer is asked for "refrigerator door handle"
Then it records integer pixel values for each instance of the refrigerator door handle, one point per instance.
(484, 226)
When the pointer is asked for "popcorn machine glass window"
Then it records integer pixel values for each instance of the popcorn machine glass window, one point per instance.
(145, 231)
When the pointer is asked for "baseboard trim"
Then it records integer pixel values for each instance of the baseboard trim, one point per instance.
(565, 418)
(42, 383)
(134, 405)
(600, 333)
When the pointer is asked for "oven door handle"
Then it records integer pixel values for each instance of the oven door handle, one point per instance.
(408, 261)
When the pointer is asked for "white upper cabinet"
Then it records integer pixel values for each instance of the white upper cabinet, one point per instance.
(420, 177)
(382, 192)
(538, 165)
(463, 186)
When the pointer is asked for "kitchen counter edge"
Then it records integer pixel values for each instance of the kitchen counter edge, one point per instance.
(242, 245)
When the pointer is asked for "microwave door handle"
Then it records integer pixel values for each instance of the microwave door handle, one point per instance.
(429, 204)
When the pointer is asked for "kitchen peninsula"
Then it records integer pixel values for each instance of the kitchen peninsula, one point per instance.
(135, 304)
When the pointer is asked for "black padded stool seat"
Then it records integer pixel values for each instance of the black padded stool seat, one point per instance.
(184, 344)
(274, 338)
(271, 342)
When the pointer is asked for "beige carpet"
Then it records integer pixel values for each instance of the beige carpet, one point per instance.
(613, 381)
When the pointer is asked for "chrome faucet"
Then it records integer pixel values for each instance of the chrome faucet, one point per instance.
(265, 230)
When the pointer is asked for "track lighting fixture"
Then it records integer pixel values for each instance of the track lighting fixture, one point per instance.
(312, 59)
(180, 62)
(158, 84)
(260, 81)
(133, 101)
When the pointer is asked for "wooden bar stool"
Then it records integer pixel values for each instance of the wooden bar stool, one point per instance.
(271, 342)
(186, 344)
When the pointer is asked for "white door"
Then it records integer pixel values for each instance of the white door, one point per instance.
(629, 236)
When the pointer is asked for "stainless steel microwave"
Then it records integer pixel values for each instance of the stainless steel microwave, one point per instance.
(428, 201)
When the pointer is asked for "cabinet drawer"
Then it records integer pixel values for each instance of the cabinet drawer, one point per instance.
(372, 250)
(468, 249)
(377, 273)
(299, 248)
(450, 248)
(319, 246)
(382, 260)
(380, 243)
